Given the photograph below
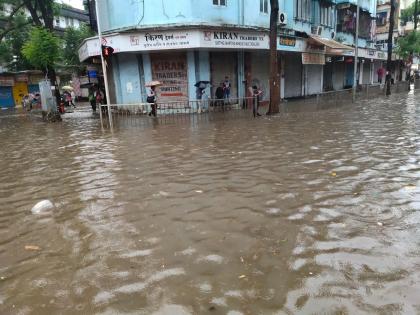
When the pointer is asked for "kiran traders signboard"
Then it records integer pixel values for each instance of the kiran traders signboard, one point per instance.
(171, 71)
(234, 40)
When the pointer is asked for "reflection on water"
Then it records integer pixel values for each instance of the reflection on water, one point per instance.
(307, 212)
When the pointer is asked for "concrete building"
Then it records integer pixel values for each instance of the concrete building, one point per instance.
(383, 24)
(409, 26)
(185, 41)
(70, 17)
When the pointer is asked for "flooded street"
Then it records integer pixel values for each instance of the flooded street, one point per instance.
(314, 212)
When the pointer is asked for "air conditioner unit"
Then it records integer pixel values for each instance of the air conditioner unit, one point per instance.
(316, 30)
(319, 30)
(282, 18)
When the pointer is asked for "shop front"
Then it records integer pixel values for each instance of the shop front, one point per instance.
(224, 66)
(172, 71)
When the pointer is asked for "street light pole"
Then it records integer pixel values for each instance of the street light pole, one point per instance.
(356, 52)
(104, 70)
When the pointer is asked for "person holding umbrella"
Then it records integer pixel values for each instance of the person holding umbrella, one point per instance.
(151, 97)
(200, 95)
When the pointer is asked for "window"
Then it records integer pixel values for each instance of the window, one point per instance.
(264, 6)
(57, 21)
(326, 16)
(303, 10)
(381, 18)
(220, 2)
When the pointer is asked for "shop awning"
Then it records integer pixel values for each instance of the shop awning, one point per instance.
(332, 46)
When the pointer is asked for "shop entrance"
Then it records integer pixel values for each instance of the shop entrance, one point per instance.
(222, 65)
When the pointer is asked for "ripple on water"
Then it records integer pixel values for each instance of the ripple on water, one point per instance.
(166, 216)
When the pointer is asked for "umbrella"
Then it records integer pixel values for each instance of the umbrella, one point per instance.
(202, 84)
(67, 88)
(153, 83)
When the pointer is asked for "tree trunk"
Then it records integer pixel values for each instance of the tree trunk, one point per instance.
(390, 40)
(274, 69)
(33, 12)
(53, 80)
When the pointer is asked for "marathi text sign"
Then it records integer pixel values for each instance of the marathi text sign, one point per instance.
(171, 71)
(159, 40)
(313, 59)
(287, 41)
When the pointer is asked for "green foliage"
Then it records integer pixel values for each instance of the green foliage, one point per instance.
(72, 40)
(407, 15)
(12, 19)
(409, 44)
(43, 49)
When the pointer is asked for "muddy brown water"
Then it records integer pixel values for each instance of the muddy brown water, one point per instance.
(313, 212)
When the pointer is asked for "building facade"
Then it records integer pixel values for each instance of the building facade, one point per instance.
(182, 42)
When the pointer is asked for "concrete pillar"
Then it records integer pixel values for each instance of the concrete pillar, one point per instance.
(241, 74)
(116, 79)
(147, 67)
(204, 69)
(304, 79)
(361, 72)
(372, 76)
(192, 80)
(282, 77)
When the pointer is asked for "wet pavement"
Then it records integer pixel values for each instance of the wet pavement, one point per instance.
(313, 212)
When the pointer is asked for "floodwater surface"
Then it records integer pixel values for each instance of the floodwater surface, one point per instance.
(313, 212)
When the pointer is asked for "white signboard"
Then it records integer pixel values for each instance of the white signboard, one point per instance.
(159, 40)
(234, 40)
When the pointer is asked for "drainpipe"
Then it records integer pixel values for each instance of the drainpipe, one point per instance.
(241, 12)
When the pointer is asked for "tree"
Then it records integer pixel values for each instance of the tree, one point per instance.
(409, 14)
(12, 17)
(43, 49)
(72, 40)
(43, 52)
(11, 48)
(390, 40)
(274, 69)
(409, 44)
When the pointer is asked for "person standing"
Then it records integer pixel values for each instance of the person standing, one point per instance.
(151, 99)
(99, 96)
(92, 100)
(256, 94)
(220, 93)
(226, 88)
(381, 72)
(73, 98)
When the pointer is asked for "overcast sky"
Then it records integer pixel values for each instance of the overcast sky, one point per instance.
(74, 3)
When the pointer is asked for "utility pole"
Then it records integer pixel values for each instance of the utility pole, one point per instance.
(104, 70)
(390, 40)
(416, 19)
(356, 52)
(274, 68)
